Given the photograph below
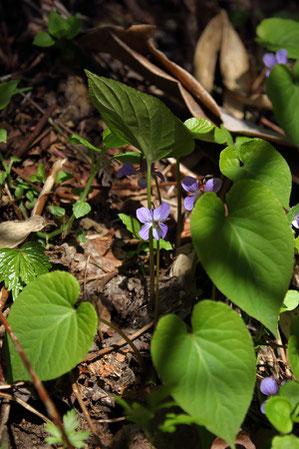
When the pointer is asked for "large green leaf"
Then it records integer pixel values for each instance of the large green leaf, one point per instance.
(211, 371)
(290, 391)
(140, 119)
(283, 92)
(293, 346)
(277, 33)
(258, 159)
(248, 250)
(55, 336)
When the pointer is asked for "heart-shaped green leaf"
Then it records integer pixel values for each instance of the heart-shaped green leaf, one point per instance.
(277, 33)
(293, 346)
(278, 411)
(140, 119)
(247, 252)
(283, 92)
(211, 371)
(55, 336)
(258, 159)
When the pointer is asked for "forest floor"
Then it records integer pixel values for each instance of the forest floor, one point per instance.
(112, 275)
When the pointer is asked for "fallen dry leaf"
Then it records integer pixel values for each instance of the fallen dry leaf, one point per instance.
(131, 47)
(234, 61)
(220, 36)
(12, 233)
(206, 52)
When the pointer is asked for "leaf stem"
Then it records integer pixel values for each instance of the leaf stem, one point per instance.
(179, 200)
(151, 245)
(125, 337)
(157, 283)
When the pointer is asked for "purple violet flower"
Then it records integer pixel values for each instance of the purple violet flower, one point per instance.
(153, 219)
(271, 59)
(268, 387)
(128, 169)
(190, 185)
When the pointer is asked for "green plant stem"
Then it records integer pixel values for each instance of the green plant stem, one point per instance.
(94, 170)
(179, 200)
(157, 284)
(158, 189)
(125, 337)
(151, 246)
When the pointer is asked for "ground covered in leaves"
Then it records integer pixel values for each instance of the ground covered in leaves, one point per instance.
(113, 277)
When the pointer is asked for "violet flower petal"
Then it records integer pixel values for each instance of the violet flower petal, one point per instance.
(162, 212)
(281, 56)
(213, 185)
(144, 231)
(160, 175)
(157, 231)
(268, 73)
(262, 407)
(269, 60)
(142, 181)
(295, 222)
(144, 215)
(268, 386)
(190, 184)
(164, 229)
(127, 169)
(189, 202)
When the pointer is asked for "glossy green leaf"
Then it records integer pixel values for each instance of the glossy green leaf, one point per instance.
(293, 212)
(258, 159)
(22, 265)
(290, 301)
(278, 411)
(285, 442)
(248, 251)
(55, 336)
(283, 92)
(81, 208)
(43, 39)
(204, 130)
(211, 371)
(293, 346)
(142, 120)
(277, 33)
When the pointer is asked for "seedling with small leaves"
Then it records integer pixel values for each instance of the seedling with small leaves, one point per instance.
(19, 267)
(76, 437)
(59, 29)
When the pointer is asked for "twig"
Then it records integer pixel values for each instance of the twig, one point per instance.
(25, 405)
(120, 343)
(28, 141)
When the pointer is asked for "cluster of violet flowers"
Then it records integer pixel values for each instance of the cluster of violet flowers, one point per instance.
(155, 218)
